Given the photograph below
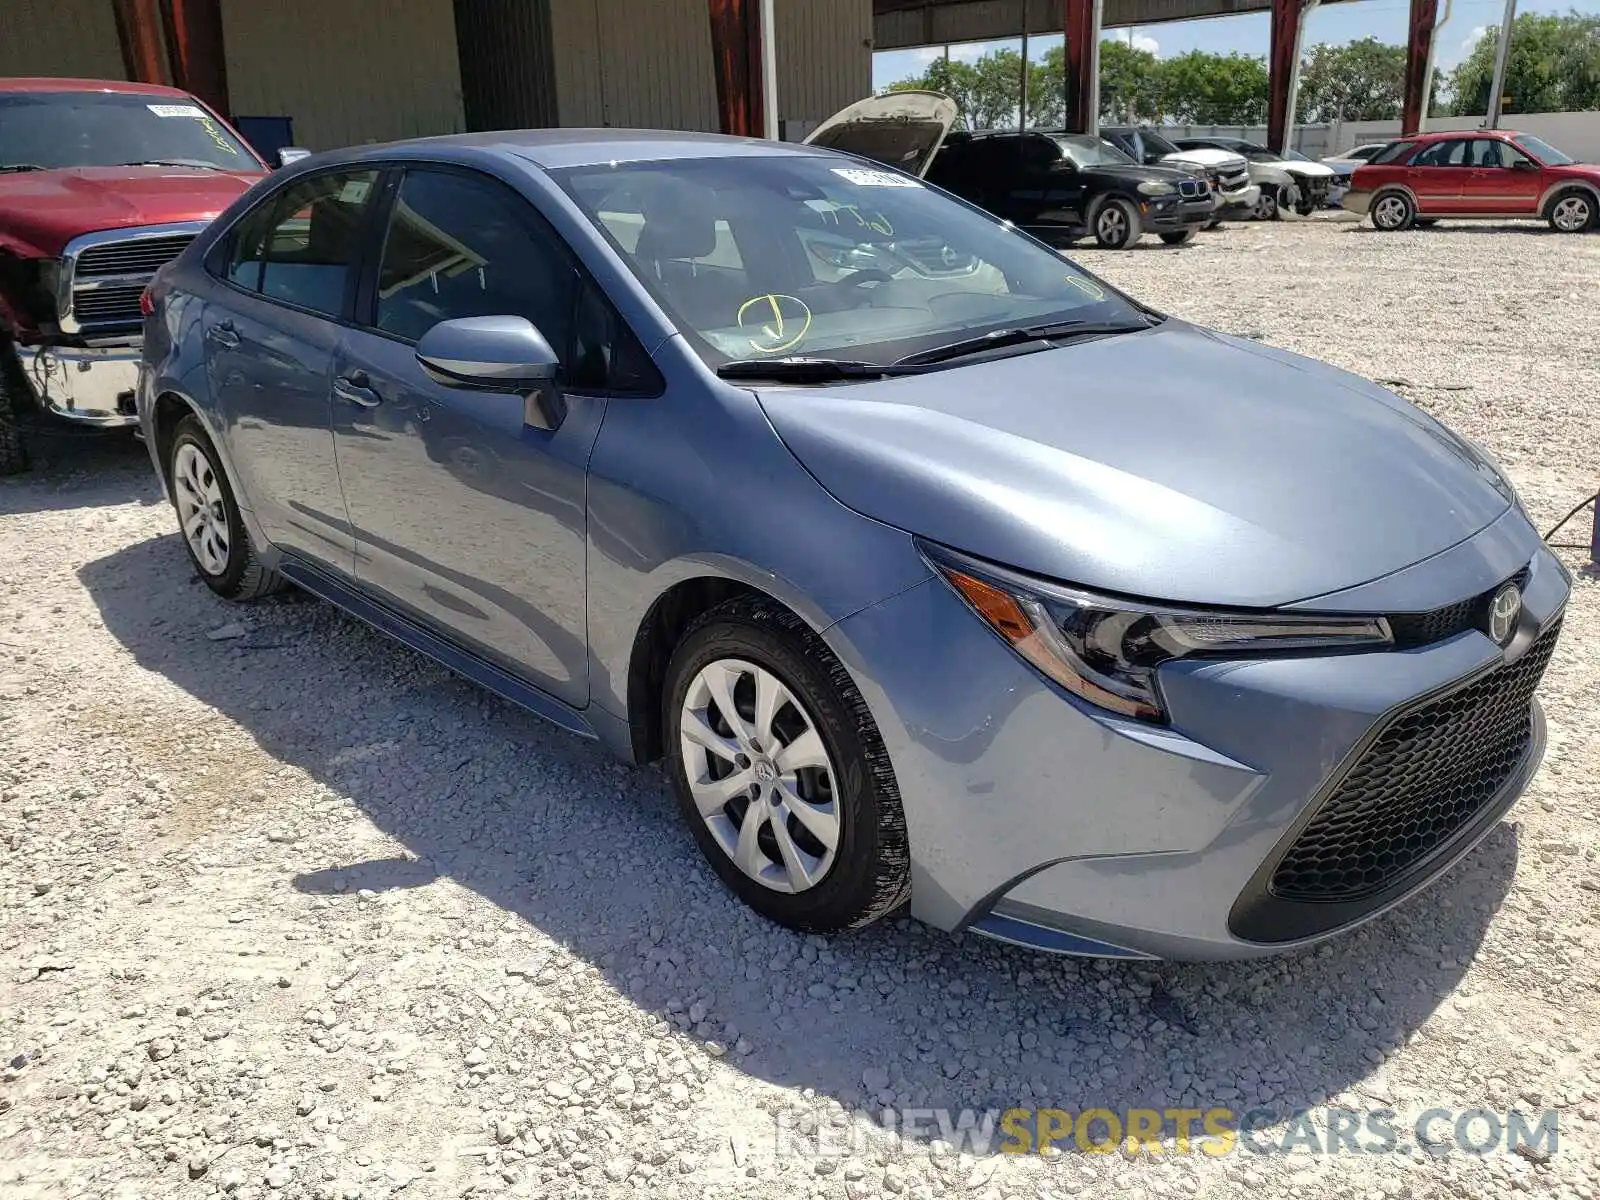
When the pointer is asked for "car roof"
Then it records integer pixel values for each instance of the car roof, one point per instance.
(50, 83)
(555, 148)
(1442, 135)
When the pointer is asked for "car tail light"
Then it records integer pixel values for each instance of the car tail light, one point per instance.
(147, 303)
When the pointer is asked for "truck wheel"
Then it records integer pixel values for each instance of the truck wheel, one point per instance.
(13, 399)
(1117, 225)
(1180, 237)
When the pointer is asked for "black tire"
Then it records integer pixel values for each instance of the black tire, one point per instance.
(870, 875)
(13, 448)
(243, 577)
(1392, 212)
(1179, 237)
(1572, 211)
(1116, 235)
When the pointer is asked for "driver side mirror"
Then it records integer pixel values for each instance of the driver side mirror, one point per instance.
(292, 154)
(496, 354)
(1523, 164)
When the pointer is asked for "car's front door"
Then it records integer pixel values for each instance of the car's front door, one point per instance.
(270, 332)
(1437, 177)
(465, 517)
(1501, 179)
(1047, 191)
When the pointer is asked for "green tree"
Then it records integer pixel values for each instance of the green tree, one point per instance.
(1361, 81)
(954, 78)
(1198, 88)
(1553, 66)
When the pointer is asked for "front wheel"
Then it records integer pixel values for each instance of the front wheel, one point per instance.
(1572, 212)
(1180, 237)
(13, 450)
(1266, 206)
(780, 772)
(1392, 212)
(1117, 225)
(208, 516)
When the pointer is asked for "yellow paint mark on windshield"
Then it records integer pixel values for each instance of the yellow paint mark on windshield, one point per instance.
(766, 326)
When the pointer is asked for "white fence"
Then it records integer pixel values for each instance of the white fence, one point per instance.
(1578, 133)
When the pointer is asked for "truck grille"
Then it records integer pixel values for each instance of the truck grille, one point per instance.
(1429, 772)
(108, 277)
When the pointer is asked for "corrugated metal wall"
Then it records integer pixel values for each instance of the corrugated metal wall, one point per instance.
(59, 37)
(622, 63)
(346, 71)
(507, 70)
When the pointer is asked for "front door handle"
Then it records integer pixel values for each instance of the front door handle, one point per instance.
(355, 388)
(223, 334)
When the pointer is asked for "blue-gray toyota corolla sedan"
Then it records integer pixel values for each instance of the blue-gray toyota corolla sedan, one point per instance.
(937, 571)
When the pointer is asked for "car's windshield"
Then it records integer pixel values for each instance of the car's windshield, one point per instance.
(48, 130)
(1154, 141)
(1252, 151)
(1543, 150)
(790, 255)
(1092, 152)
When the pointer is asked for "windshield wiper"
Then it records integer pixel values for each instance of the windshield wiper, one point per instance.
(21, 167)
(800, 369)
(997, 338)
(174, 162)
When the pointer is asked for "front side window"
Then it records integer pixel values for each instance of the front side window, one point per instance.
(461, 245)
(301, 246)
(50, 130)
(833, 258)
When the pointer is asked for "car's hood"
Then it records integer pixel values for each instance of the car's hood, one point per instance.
(1221, 159)
(41, 211)
(1176, 464)
(1134, 173)
(902, 129)
(1311, 170)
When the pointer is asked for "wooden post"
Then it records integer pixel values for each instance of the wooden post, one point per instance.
(195, 49)
(736, 57)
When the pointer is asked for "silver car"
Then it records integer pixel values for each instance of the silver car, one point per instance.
(940, 573)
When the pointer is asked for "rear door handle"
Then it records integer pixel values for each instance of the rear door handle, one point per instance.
(355, 388)
(223, 334)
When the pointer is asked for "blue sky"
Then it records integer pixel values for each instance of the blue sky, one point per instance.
(1338, 23)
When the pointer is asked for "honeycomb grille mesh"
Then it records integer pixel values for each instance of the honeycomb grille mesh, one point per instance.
(1421, 629)
(1431, 770)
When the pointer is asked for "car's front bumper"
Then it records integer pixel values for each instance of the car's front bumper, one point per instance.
(1238, 202)
(1037, 819)
(1177, 214)
(89, 386)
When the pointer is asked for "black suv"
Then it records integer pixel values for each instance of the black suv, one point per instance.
(1060, 187)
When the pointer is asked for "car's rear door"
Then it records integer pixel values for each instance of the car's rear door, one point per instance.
(466, 518)
(1501, 179)
(286, 277)
(1438, 176)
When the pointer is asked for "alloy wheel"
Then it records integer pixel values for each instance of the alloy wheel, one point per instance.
(1571, 214)
(1389, 212)
(200, 508)
(1111, 226)
(761, 778)
(1266, 206)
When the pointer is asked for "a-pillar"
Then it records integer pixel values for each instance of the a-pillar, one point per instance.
(736, 57)
(139, 35)
(1419, 44)
(195, 49)
(1081, 20)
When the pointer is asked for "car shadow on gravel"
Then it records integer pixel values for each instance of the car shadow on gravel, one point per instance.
(544, 826)
(80, 469)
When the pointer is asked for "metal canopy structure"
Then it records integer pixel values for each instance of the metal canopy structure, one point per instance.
(901, 24)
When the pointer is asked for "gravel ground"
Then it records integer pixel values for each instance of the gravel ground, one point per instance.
(287, 910)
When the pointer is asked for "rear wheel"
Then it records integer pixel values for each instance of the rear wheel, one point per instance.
(1117, 225)
(1572, 212)
(208, 517)
(1393, 211)
(13, 451)
(1178, 237)
(780, 772)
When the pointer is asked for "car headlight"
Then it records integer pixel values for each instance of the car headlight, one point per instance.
(1106, 650)
(50, 283)
(1154, 187)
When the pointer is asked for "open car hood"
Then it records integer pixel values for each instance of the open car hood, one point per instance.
(899, 129)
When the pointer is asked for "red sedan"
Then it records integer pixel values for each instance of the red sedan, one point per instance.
(1485, 173)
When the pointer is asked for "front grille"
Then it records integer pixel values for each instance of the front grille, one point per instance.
(137, 256)
(119, 302)
(1192, 188)
(1421, 629)
(1432, 769)
(1235, 180)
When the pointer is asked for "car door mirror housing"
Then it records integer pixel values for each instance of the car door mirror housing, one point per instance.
(493, 354)
(1523, 164)
(292, 154)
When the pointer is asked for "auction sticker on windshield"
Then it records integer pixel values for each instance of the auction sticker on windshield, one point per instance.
(176, 110)
(863, 177)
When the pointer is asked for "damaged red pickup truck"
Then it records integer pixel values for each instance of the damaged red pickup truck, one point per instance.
(101, 183)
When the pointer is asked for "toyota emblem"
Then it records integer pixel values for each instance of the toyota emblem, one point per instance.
(1503, 612)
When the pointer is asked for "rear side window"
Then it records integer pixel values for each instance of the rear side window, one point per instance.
(1393, 152)
(300, 247)
(1451, 153)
